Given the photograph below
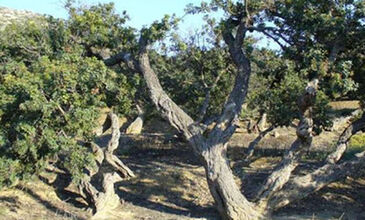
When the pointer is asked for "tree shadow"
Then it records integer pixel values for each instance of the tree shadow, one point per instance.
(62, 181)
(197, 212)
(149, 163)
(343, 200)
(11, 202)
(162, 177)
(47, 204)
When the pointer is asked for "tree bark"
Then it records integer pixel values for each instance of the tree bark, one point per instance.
(106, 200)
(230, 202)
(136, 126)
(228, 198)
(300, 187)
(262, 123)
(281, 174)
(343, 140)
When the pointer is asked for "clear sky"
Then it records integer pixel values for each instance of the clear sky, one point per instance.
(141, 12)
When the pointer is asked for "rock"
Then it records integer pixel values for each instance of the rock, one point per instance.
(276, 134)
(136, 126)
(8, 16)
(262, 125)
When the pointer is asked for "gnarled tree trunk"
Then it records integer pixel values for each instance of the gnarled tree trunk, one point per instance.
(228, 198)
(211, 146)
(103, 201)
(281, 174)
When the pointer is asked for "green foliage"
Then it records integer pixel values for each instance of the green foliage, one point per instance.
(192, 69)
(51, 91)
(358, 141)
(25, 42)
(356, 145)
(275, 89)
(99, 26)
(48, 105)
(321, 36)
(53, 80)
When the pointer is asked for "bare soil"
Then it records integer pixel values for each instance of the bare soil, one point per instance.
(170, 184)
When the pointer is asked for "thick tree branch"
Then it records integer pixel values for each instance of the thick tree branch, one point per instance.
(343, 140)
(169, 109)
(122, 57)
(112, 146)
(225, 126)
(106, 200)
(282, 172)
(300, 187)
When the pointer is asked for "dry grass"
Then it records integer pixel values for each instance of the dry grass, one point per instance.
(341, 105)
(170, 184)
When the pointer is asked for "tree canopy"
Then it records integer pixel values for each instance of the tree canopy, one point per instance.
(57, 74)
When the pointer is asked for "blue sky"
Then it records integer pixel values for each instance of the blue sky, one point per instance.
(141, 12)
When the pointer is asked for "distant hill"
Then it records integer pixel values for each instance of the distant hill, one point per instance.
(8, 15)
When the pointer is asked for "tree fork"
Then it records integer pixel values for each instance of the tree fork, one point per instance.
(102, 202)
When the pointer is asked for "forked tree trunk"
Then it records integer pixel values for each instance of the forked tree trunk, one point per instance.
(106, 200)
(211, 146)
(228, 198)
(230, 202)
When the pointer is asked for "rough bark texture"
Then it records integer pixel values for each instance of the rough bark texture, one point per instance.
(342, 142)
(168, 108)
(106, 200)
(101, 202)
(279, 190)
(113, 144)
(281, 174)
(230, 202)
(300, 187)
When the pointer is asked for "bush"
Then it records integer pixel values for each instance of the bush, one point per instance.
(50, 96)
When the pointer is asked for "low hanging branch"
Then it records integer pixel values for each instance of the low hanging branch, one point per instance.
(342, 142)
(300, 187)
(281, 174)
(106, 200)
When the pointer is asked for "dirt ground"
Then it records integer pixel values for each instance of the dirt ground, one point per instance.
(170, 184)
